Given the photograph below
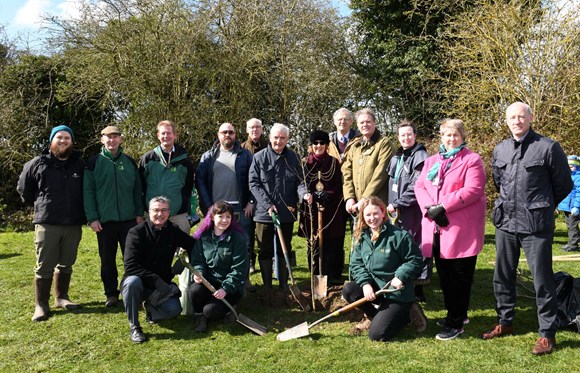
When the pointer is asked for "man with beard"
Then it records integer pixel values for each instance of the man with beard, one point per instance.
(53, 182)
(222, 175)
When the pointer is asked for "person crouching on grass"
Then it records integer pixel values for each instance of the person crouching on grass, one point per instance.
(383, 253)
(221, 255)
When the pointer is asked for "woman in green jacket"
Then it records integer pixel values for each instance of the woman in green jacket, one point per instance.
(221, 255)
(382, 253)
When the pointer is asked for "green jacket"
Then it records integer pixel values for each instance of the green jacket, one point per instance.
(393, 254)
(365, 167)
(112, 188)
(222, 261)
(174, 181)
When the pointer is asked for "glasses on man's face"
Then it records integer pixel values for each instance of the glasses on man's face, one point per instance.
(156, 211)
(227, 132)
(318, 143)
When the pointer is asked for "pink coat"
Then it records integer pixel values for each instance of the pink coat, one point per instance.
(462, 193)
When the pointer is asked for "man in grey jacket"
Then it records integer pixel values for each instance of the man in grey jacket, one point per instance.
(277, 184)
(531, 174)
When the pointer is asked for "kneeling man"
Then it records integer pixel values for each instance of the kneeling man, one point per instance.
(149, 252)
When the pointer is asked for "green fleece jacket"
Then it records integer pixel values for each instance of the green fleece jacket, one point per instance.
(112, 188)
(393, 254)
(223, 260)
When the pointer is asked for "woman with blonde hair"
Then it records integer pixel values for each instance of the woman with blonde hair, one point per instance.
(382, 254)
(451, 194)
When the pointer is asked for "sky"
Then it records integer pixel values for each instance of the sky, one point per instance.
(25, 16)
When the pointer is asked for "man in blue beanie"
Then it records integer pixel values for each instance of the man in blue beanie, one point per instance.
(53, 183)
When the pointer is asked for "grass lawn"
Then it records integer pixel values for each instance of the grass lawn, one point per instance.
(96, 339)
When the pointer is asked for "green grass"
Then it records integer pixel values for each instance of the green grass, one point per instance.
(96, 339)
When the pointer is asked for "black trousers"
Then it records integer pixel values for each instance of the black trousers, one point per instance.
(456, 278)
(388, 317)
(204, 302)
(573, 231)
(114, 234)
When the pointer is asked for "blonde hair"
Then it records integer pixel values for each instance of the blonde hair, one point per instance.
(166, 123)
(361, 224)
(456, 124)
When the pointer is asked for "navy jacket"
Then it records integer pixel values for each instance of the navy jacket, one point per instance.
(276, 179)
(204, 175)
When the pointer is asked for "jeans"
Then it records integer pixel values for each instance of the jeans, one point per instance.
(134, 293)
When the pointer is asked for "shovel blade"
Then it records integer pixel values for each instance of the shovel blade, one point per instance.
(296, 332)
(251, 324)
(297, 294)
(320, 286)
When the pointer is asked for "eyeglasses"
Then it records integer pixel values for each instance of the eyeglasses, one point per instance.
(155, 211)
(228, 132)
(318, 143)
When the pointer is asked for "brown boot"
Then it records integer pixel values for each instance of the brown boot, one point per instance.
(41, 294)
(361, 327)
(544, 346)
(61, 285)
(498, 330)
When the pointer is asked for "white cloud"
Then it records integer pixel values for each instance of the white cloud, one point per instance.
(69, 9)
(30, 14)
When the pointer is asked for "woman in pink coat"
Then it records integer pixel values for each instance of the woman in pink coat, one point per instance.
(450, 192)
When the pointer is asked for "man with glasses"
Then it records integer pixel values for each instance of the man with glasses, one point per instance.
(149, 252)
(222, 175)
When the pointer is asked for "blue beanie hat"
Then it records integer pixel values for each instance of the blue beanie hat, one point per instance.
(59, 128)
(573, 160)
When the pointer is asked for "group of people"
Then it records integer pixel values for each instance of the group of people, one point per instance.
(407, 210)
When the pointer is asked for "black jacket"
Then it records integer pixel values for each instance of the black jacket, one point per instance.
(532, 177)
(55, 188)
(149, 253)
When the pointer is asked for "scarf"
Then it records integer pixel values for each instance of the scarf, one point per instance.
(445, 158)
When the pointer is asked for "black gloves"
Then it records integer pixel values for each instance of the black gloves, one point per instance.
(177, 268)
(437, 214)
(321, 197)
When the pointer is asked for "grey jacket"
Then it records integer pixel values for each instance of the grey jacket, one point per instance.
(402, 196)
(276, 179)
(532, 177)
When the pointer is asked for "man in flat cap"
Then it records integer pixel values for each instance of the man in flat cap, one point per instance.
(53, 183)
(113, 204)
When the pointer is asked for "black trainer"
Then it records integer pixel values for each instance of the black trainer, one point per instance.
(137, 335)
(447, 333)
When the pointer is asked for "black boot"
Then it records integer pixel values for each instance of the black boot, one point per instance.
(282, 275)
(266, 271)
(41, 294)
(61, 285)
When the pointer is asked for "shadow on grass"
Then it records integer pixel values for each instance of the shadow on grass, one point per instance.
(9, 255)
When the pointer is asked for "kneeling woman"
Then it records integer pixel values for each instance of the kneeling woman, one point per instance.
(382, 253)
(221, 255)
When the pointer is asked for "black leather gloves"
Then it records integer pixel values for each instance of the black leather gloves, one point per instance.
(321, 197)
(437, 214)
